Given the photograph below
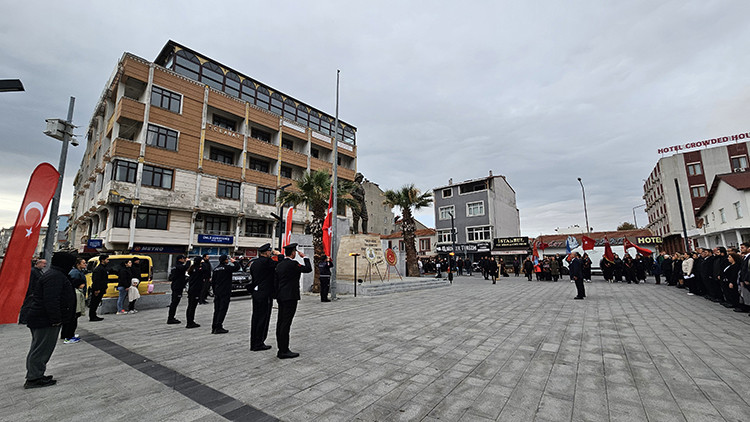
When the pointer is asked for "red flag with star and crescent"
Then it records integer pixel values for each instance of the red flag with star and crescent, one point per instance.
(627, 244)
(608, 254)
(288, 229)
(16, 269)
(327, 223)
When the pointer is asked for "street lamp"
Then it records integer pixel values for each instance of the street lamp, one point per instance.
(635, 221)
(585, 211)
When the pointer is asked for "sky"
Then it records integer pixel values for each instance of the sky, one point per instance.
(542, 92)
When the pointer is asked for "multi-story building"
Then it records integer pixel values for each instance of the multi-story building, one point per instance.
(723, 219)
(482, 209)
(682, 181)
(380, 216)
(185, 154)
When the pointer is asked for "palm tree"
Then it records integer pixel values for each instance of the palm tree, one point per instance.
(314, 190)
(406, 198)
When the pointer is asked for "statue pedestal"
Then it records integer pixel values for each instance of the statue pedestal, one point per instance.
(365, 245)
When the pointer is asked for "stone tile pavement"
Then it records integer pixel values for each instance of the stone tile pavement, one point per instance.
(514, 351)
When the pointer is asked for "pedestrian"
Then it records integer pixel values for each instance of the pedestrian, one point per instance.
(729, 280)
(179, 280)
(576, 273)
(467, 266)
(325, 278)
(554, 268)
(437, 269)
(37, 270)
(528, 267)
(517, 266)
(206, 271)
(99, 282)
(53, 302)
(221, 279)
(586, 264)
(124, 277)
(492, 269)
(287, 294)
(134, 294)
(195, 288)
(78, 281)
(263, 272)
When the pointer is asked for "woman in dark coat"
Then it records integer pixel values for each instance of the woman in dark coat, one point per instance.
(528, 268)
(586, 267)
(677, 278)
(729, 280)
(629, 267)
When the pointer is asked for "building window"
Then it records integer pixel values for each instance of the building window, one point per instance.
(221, 155)
(477, 234)
(157, 177)
(445, 212)
(260, 135)
(694, 169)
(151, 218)
(444, 236)
(698, 191)
(739, 163)
(738, 209)
(224, 122)
(99, 182)
(166, 99)
(472, 187)
(258, 165)
(122, 216)
(401, 245)
(424, 245)
(286, 172)
(215, 224)
(475, 209)
(266, 196)
(314, 153)
(723, 215)
(447, 193)
(286, 143)
(258, 228)
(228, 189)
(124, 171)
(162, 137)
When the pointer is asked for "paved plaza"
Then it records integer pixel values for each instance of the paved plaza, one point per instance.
(514, 351)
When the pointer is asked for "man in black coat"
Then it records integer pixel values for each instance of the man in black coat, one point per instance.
(99, 281)
(206, 269)
(221, 278)
(179, 281)
(37, 270)
(720, 262)
(325, 278)
(288, 273)
(262, 271)
(576, 273)
(53, 302)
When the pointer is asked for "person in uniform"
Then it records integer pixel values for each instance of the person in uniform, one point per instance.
(287, 294)
(325, 278)
(263, 271)
(206, 270)
(221, 279)
(179, 280)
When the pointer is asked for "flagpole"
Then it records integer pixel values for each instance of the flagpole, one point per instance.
(334, 185)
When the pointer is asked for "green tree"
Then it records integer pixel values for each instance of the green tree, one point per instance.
(313, 190)
(626, 226)
(408, 198)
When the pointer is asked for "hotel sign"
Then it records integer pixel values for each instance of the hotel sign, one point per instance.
(510, 242)
(704, 143)
(648, 240)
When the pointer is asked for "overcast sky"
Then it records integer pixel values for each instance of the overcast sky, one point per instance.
(542, 92)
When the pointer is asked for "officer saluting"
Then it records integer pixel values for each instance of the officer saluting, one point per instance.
(263, 271)
(288, 272)
(222, 282)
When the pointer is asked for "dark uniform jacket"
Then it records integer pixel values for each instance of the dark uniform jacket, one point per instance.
(179, 279)
(99, 278)
(221, 278)
(287, 278)
(576, 269)
(197, 278)
(325, 268)
(263, 272)
(53, 300)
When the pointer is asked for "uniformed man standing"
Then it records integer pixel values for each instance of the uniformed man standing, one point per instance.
(179, 281)
(288, 272)
(221, 278)
(325, 278)
(263, 271)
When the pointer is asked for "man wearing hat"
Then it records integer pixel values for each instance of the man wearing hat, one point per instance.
(221, 278)
(179, 280)
(288, 273)
(263, 271)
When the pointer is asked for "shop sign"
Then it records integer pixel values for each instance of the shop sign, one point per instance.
(158, 249)
(510, 242)
(212, 238)
(95, 243)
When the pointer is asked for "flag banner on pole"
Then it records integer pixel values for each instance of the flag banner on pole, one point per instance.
(535, 254)
(588, 243)
(627, 244)
(608, 254)
(327, 226)
(16, 269)
(543, 245)
(570, 244)
(288, 232)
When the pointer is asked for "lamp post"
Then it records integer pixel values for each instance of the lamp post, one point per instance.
(585, 211)
(355, 255)
(635, 220)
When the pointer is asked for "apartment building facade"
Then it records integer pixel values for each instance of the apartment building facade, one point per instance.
(185, 154)
(683, 180)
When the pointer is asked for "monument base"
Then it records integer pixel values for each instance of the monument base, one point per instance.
(370, 262)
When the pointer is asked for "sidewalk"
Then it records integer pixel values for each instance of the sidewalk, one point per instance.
(514, 351)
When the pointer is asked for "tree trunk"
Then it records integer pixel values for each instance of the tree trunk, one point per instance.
(408, 228)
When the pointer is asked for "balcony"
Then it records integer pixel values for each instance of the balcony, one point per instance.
(264, 149)
(224, 136)
(128, 108)
(294, 157)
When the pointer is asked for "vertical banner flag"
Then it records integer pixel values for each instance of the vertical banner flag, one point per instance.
(570, 244)
(327, 223)
(608, 254)
(535, 254)
(288, 232)
(588, 243)
(16, 269)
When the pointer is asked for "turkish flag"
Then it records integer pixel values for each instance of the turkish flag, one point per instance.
(16, 269)
(288, 232)
(626, 244)
(543, 245)
(608, 254)
(327, 223)
(588, 243)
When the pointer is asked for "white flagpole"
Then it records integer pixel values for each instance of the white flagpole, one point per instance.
(334, 181)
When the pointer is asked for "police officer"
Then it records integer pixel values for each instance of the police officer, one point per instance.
(262, 271)
(179, 281)
(288, 272)
(221, 279)
(325, 278)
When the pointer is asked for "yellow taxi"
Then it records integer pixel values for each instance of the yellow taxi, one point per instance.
(115, 262)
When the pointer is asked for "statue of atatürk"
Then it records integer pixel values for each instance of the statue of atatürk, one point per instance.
(361, 211)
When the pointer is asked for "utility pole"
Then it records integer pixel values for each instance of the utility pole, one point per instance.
(585, 211)
(63, 131)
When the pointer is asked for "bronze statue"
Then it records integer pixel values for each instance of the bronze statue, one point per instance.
(359, 212)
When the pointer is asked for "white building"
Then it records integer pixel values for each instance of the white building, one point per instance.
(724, 219)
